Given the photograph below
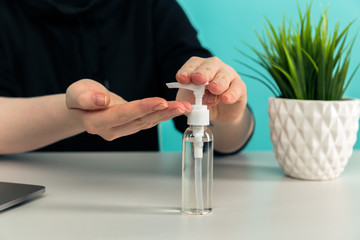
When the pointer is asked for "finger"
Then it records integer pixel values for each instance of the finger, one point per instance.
(123, 113)
(188, 106)
(118, 115)
(235, 92)
(87, 95)
(207, 71)
(124, 130)
(145, 122)
(210, 99)
(184, 73)
(96, 122)
(175, 109)
(222, 80)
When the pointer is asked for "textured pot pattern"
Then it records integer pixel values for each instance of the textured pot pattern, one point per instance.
(313, 140)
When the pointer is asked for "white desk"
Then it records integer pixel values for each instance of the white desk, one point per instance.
(138, 196)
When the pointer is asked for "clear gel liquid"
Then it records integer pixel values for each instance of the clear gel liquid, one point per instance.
(197, 175)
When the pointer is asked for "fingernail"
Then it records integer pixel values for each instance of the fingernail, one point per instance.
(100, 100)
(210, 99)
(176, 111)
(159, 107)
(198, 75)
(227, 97)
(184, 74)
(188, 107)
(214, 84)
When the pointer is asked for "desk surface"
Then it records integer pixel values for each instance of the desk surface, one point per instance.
(138, 196)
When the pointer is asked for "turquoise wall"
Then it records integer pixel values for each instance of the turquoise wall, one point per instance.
(226, 24)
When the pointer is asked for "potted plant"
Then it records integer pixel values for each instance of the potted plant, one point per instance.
(313, 128)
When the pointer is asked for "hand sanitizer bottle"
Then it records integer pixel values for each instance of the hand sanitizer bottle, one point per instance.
(197, 156)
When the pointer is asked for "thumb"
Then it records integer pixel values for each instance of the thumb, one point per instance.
(87, 95)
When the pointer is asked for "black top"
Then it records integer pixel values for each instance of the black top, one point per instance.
(131, 46)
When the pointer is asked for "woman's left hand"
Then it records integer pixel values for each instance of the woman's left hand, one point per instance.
(226, 92)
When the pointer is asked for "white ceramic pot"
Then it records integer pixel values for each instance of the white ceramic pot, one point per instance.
(313, 140)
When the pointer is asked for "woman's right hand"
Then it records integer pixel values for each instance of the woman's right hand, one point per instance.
(106, 114)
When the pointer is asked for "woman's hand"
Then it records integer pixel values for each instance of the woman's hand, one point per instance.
(232, 122)
(226, 92)
(104, 113)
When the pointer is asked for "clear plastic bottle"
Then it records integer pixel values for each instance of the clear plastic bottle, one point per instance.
(197, 157)
(197, 172)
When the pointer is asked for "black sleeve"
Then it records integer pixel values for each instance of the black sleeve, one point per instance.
(176, 41)
(9, 87)
(7, 83)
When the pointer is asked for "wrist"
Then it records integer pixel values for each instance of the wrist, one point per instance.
(232, 136)
(71, 122)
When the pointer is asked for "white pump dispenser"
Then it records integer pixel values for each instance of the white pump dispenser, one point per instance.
(199, 116)
(197, 157)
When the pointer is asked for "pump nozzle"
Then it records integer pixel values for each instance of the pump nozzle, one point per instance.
(198, 90)
(199, 116)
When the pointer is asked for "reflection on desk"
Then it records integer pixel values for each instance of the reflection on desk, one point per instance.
(130, 195)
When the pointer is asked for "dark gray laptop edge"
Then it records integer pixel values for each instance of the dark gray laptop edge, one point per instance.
(12, 194)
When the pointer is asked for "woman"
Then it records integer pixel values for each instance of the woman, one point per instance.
(130, 49)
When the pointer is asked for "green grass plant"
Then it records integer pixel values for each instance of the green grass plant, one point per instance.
(306, 60)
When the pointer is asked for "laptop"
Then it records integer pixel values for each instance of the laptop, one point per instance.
(12, 194)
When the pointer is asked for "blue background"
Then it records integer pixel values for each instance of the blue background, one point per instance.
(226, 24)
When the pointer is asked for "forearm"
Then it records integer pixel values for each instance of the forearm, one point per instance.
(31, 123)
(231, 136)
